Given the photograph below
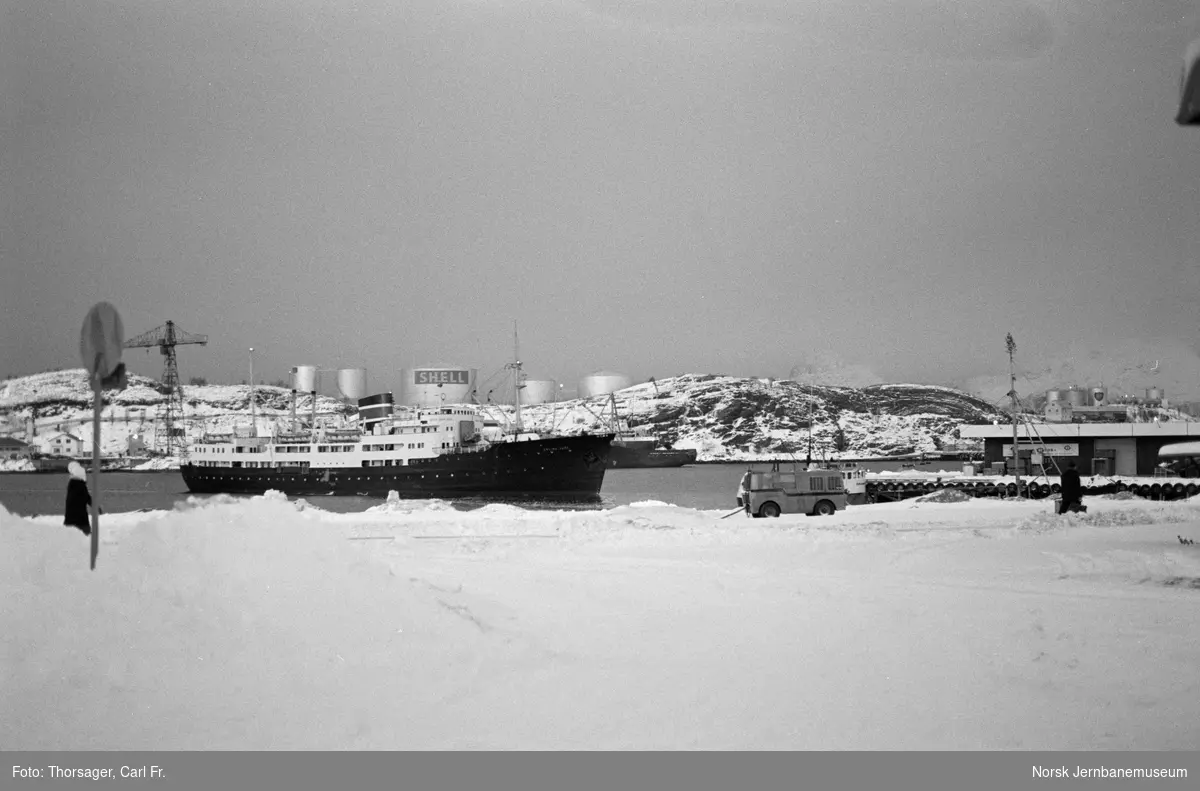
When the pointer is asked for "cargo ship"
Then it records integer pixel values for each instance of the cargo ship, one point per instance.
(633, 451)
(437, 452)
(637, 448)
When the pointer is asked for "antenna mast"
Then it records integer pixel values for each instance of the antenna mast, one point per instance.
(1011, 345)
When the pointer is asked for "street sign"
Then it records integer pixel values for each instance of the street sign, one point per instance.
(1189, 87)
(100, 340)
(100, 343)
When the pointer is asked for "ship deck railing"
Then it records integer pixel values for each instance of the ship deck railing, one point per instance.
(293, 439)
(216, 439)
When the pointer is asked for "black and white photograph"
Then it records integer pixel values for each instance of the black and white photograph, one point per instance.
(600, 376)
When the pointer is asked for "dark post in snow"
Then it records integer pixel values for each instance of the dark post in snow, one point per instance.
(1011, 345)
(100, 343)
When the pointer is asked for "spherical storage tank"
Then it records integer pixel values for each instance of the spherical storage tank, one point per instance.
(304, 378)
(602, 383)
(537, 391)
(436, 385)
(352, 383)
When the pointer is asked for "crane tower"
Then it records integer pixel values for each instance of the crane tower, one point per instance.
(166, 338)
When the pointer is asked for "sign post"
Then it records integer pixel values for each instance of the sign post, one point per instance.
(100, 349)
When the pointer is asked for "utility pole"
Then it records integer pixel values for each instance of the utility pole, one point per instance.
(1011, 345)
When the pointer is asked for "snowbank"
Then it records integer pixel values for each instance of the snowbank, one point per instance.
(267, 624)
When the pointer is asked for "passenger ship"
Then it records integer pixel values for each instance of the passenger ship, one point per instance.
(419, 453)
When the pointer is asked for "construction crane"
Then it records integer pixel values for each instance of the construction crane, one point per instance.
(166, 338)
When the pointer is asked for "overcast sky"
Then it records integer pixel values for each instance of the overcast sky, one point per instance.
(649, 187)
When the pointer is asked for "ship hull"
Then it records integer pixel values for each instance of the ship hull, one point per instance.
(560, 468)
(621, 457)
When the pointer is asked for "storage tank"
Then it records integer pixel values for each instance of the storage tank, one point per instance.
(537, 391)
(1053, 396)
(1155, 394)
(304, 378)
(1099, 396)
(373, 409)
(1076, 396)
(602, 383)
(352, 383)
(436, 385)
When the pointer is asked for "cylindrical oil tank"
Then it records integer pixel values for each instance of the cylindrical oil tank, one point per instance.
(602, 383)
(352, 383)
(537, 391)
(1076, 396)
(436, 385)
(1099, 396)
(1155, 394)
(1053, 396)
(304, 378)
(372, 409)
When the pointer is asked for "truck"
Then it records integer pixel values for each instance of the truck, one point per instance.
(812, 491)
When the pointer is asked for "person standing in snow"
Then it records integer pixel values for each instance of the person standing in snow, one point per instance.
(1072, 489)
(78, 499)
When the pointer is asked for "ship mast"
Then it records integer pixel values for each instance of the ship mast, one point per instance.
(517, 383)
(808, 463)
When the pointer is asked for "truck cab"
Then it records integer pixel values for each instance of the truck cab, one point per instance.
(770, 493)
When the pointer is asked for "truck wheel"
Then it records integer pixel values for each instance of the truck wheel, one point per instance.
(824, 508)
(769, 510)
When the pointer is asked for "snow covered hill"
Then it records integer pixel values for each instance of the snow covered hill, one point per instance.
(61, 401)
(722, 417)
(738, 419)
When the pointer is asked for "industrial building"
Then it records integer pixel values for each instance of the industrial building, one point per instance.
(12, 449)
(1102, 436)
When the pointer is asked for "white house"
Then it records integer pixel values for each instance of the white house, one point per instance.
(63, 444)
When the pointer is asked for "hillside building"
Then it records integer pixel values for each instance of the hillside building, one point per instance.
(62, 444)
(14, 449)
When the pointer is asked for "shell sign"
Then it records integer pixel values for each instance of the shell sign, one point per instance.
(441, 377)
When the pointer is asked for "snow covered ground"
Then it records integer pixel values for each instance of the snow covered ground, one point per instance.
(264, 624)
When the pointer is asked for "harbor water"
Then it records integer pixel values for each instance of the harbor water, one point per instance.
(702, 486)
